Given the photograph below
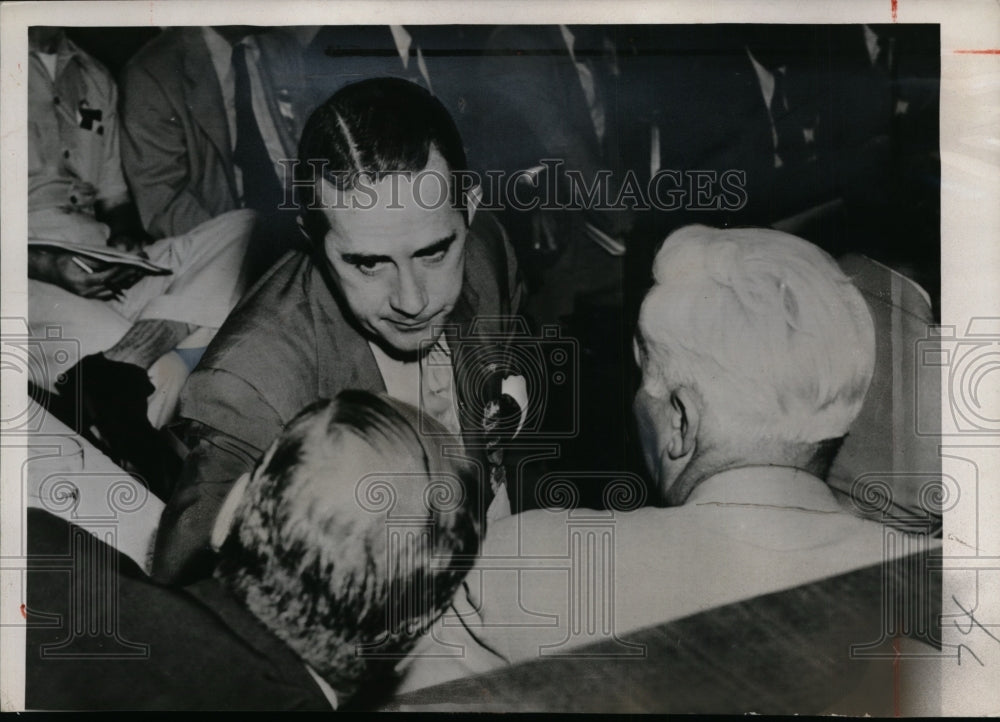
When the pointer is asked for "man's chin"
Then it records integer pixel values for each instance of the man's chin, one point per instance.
(406, 346)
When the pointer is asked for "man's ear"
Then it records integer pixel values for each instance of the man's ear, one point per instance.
(684, 413)
(224, 519)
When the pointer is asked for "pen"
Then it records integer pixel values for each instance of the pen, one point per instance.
(115, 291)
(81, 264)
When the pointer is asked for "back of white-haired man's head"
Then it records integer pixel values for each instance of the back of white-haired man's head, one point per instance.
(351, 535)
(755, 348)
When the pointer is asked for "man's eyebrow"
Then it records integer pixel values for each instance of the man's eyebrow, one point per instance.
(435, 247)
(356, 259)
(371, 258)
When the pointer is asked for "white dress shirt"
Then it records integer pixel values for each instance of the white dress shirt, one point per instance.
(407, 381)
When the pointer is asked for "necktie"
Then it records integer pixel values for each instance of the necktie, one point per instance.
(791, 148)
(261, 189)
(436, 387)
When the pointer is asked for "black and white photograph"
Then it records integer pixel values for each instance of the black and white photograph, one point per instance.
(555, 357)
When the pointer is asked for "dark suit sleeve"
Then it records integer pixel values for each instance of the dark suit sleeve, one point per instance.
(183, 552)
(227, 426)
(155, 157)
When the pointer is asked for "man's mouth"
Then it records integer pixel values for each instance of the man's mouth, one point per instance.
(411, 326)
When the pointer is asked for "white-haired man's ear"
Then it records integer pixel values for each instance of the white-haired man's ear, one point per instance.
(224, 519)
(684, 415)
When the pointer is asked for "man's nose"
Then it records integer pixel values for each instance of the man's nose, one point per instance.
(410, 295)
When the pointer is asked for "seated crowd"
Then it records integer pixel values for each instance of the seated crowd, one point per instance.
(311, 349)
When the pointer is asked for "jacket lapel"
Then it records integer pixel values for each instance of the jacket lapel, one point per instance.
(205, 99)
(344, 358)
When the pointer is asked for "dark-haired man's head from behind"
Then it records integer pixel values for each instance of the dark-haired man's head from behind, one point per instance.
(351, 535)
(383, 208)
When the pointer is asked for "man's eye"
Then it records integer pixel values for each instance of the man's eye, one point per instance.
(369, 268)
(437, 256)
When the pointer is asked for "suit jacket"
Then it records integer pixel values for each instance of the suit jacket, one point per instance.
(343, 54)
(713, 117)
(531, 106)
(549, 581)
(145, 646)
(536, 106)
(176, 148)
(289, 343)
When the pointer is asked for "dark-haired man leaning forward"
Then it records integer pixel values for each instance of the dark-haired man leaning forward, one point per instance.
(390, 267)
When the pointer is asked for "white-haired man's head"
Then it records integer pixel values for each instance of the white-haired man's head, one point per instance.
(755, 348)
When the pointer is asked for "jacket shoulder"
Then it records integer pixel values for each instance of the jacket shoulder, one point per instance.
(274, 319)
(267, 347)
(165, 51)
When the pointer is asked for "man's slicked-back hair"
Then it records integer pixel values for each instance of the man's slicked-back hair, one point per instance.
(373, 127)
(349, 572)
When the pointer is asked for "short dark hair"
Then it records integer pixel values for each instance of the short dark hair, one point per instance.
(374, 127)
(326, 564)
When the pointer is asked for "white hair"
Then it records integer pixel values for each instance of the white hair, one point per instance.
(765, 326)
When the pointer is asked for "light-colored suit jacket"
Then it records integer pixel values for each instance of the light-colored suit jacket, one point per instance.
(176, 148)
(549, 582)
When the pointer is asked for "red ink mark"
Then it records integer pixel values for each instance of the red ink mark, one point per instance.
(24, 612)
(895, 7)
(989, 51)
(895, 677)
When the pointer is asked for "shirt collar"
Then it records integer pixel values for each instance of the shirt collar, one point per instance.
(765, 78)
(403, 40)
(65, 51)
(569, 39)
(872, 41)
(219, 50)
(779, 486)
(325, 688)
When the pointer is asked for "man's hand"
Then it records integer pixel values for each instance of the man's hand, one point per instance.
(128, 243)
(103, 283)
